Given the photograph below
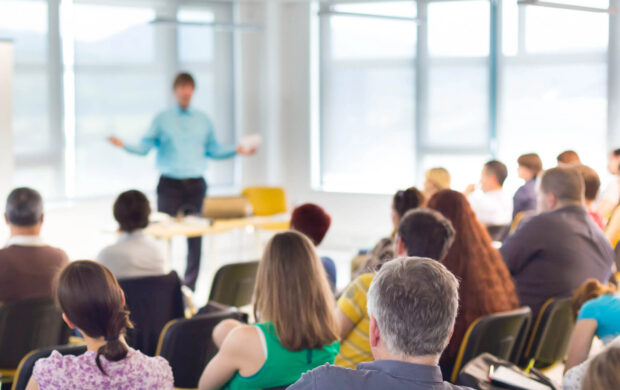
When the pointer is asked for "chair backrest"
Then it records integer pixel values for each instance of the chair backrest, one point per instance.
(28, 325)
(497, 334)
(266, 201)
(188, 346)
(551, 333)
(498, 232)
(233, 284)
(153, 302)
(24, 371)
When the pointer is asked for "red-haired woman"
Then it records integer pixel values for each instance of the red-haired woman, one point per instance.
(486, 285)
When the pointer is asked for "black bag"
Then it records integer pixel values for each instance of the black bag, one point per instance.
(475, 374)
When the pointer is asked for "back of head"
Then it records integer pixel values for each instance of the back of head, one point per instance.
(292, 292)
(426, 233)
(604, 371)
(440, 177)
(406, 200)
(589, 290)
(568, 157)
(532, 162)
(591, 180)
(24, 207)
(415, 302)
(565, 183)
(93, 301)
(132, 211)
(498, 170)
(311, 220)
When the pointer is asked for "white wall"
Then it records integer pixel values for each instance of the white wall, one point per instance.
(6, 145)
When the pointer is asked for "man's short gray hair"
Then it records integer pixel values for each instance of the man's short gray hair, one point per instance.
(414, 301)
(24, 207)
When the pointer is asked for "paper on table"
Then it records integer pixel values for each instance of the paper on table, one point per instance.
(252, 141)
(509, 377)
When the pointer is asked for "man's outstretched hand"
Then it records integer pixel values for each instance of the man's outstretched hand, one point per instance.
(245, 152)
(116, 141)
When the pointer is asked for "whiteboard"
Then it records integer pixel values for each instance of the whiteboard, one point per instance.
(6, 131)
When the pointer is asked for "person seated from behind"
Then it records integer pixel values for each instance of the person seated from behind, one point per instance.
(402, 202)
(436, 179)
(135, 254)
(492, 205)
(604, 371)
(598, 306)
(611, 195)
(312, 220)
(423, 233)
(27, 265)
(296, 329)
(592, 184)
(93, 303)
(551, 254)
(524, 200)
(412, 304)
(568, 158)
(486, 286)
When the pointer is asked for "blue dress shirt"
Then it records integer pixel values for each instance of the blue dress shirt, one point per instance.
(184, 139)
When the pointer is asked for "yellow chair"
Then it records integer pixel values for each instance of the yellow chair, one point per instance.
(268, 201)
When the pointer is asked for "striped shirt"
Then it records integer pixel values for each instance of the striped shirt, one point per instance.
(355, 348)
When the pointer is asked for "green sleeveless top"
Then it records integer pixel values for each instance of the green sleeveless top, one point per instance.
(282, 367)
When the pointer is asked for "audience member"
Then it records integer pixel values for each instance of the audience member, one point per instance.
(486, 286)
(402, 202)
(27, 265)
(412, 303)
(312, 220)
(573, 378)
(598, 306)
(611, 195)
(436, 179)
(524, 200)
(423, 233)
(553, 253)
(568, 158)
(492, 205)
(592, 184)
(296, 331)
(135, 254)
(604, 371)
(612, 231)
(92, 302)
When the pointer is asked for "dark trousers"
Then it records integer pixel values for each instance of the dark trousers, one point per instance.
(184, 196)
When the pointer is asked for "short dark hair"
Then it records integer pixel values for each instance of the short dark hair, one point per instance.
(426, 233)
(569, 157)
(311, 220)
(183, 78)
(616, 152)
(497, 169)
(591, 181)
(563, 182)
(531, 161)
(132, 211)
(24, 207)
(406, 200)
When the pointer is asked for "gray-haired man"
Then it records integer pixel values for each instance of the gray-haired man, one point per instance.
(412, 304)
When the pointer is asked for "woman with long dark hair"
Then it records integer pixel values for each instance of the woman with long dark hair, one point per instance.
(92, 302)
(486, 285)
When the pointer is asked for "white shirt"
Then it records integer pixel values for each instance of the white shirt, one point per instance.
(134, 255)
(492, 208)
(25, 241)
(612, 192)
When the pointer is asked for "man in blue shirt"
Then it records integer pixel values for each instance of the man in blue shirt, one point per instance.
(412, 305)
(185, 139)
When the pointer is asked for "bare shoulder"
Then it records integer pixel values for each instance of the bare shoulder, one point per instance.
(242, 341)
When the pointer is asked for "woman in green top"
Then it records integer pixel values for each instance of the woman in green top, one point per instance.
(296, 331)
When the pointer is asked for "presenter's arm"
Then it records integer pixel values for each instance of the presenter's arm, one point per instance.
(147, 142)
(217, 151)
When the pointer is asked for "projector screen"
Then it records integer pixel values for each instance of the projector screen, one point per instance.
(6, 144)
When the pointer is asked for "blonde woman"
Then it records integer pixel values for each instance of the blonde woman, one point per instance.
(604, 371)
(296, 329)
(437, 179)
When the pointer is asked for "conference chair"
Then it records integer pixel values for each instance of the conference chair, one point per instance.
(498, 232)
(266, 202)
(497, 334)
(233, 284)
(153, 301)
(24, 370)
(550, 336)
(188, 346)
(28, 325)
